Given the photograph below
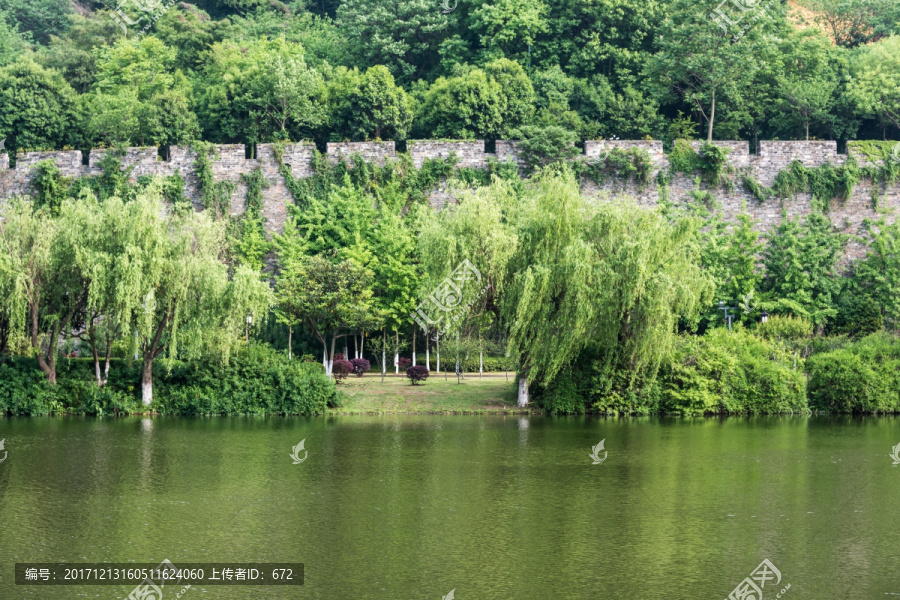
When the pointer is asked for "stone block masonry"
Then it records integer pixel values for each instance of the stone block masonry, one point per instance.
(231, 162)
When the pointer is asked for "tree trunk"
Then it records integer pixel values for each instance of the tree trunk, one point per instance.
(362, 345)
(427, 353)
(383, 354)
(290, 340)
(95, 352)
(480, 363)
(396, 352)
(151, 351)
(437, 348)
(712, 117)
(522, 401)
(106, 366)
(355, 347)
(325, 356)
(147, 381)
(414, 348)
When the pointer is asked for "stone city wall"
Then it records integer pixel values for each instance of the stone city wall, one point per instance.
(231, 162)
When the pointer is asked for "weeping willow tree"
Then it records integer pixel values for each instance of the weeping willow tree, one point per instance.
(614, 277)
(36, 278)
(477, 230)
(183, 296)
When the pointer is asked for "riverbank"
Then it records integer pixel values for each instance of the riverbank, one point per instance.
(369, 395)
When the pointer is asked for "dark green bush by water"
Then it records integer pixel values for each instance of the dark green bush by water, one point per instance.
(860, 377)
(257, 380)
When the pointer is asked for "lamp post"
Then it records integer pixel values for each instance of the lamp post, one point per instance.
(764, 316)
(728, 316)
(249, 323)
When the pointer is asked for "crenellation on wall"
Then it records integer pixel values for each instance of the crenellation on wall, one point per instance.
(738, 151)
(67, 161)
(374, 152)
(467, 153)
(596, 148)
(299, 158)
(510, 151)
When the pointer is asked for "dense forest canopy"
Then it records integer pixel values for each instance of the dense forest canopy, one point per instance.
(131, 72)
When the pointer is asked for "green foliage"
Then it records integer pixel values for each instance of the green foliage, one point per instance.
(753, 187)
(256, 380)
(860, 377)
(253, 244)
(824, 182)
(51, 186)
(477, 103)
(857, 315)
(367, 105)
(41, 18)
(875, 86)
(215, 195)
(40, 109)
(785, 328)
(711, 161)
(878, 274)
(24, 390)
(139, 98)
(624, 164)
(731, 372)
(261, 91)
(540, 146)
(581, 279)
(801, 274)
(404, 36)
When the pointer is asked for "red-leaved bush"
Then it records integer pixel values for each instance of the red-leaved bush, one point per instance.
(417, 374)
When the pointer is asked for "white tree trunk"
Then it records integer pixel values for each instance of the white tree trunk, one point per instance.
(147, 393)
(414, 348)
(427, 354)
(396, 352)
(480, 363)
(325, 359)
(522, 401)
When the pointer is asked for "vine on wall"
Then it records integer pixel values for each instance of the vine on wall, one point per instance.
(215, 195)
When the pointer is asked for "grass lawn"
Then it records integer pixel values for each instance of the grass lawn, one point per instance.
(396, 395)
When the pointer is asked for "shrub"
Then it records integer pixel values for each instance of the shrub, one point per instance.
(731, 372)
(860, 377)
(857, 315)
(360, 366)
(417, 374)
(404, 362)
(340, 369)
(257, 380)
(541, 146)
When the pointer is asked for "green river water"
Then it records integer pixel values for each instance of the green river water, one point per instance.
(492, 507)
